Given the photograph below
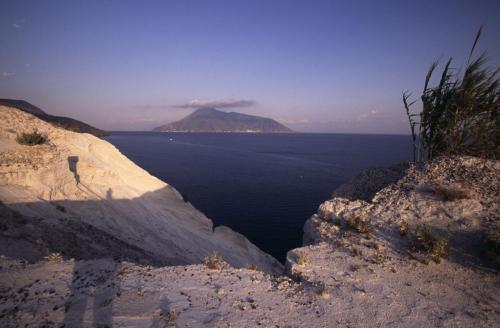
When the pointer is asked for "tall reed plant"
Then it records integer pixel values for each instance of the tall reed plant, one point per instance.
(460, 115)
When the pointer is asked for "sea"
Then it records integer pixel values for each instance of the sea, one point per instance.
(264, 186)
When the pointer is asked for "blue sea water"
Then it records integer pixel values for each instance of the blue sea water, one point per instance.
(262, 185)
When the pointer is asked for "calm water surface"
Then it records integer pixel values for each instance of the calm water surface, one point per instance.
(262, 185)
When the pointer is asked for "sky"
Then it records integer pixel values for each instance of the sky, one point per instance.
(316, 66)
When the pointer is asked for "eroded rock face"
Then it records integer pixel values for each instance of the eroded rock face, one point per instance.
(414, 254)
(83, 185)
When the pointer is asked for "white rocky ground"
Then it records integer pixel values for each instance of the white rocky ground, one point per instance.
(381, 277)
(78, 192)
(363, 265)
(105, 293)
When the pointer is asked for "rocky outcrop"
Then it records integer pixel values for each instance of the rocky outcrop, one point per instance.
(414, 254)
(79, 189)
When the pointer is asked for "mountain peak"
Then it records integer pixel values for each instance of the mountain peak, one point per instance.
(206, 110)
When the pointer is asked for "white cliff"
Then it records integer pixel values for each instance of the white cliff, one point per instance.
(83, 185)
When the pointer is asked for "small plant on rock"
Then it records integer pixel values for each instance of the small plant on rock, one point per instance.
(359, 224)
(322, 291)
(31, 139)
(378, 256)
(214, 261)
(54, 257)
(355, 251)
(435, 246)
(302, 260)
(403, 228)
(252, 267)
(169, 318)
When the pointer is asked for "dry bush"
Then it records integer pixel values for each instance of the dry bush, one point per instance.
(214, 261)
(434, 245)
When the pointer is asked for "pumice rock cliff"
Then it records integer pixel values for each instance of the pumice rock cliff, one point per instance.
(78, 195)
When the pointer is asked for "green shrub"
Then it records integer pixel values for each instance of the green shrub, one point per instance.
(460, 114)
(31, 139)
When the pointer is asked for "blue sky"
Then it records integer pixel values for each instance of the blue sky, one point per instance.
(319, 66)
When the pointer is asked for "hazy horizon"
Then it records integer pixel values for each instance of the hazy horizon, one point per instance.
(322, 66)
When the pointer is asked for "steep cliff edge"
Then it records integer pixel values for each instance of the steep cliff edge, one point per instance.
(80, 196)
(421, 252)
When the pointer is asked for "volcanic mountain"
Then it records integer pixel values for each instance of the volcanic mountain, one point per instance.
(209, 119)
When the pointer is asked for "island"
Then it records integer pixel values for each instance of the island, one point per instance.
(210, 119)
